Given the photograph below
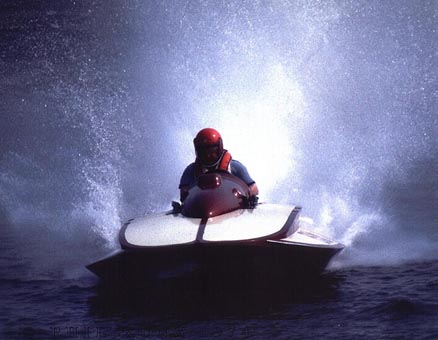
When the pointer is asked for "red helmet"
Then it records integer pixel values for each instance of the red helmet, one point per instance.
(208, 145)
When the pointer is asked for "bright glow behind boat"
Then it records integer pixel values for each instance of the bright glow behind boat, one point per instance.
(256, 126)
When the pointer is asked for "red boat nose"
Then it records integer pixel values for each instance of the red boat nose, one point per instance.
(215, 194)
(209, 181)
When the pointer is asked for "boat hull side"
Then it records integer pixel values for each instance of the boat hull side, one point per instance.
(226, 262)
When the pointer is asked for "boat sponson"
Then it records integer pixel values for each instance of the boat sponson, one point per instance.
(267, 221)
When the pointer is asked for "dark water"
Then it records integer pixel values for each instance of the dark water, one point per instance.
(331, 105)
(359, 303)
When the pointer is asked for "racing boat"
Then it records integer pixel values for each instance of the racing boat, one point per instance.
(218, 232)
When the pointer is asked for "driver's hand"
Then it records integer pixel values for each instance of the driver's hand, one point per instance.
(252, 201)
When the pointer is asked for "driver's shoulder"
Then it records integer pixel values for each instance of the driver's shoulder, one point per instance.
(236, 166)
(236, 163)
(189, 169)
(190, 166)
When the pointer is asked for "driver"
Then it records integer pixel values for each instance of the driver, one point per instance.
(212, 157)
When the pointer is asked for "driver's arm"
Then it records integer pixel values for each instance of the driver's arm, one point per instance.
(254, 189)
(183, 193)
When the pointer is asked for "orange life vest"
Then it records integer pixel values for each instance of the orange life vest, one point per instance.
(222, 165)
